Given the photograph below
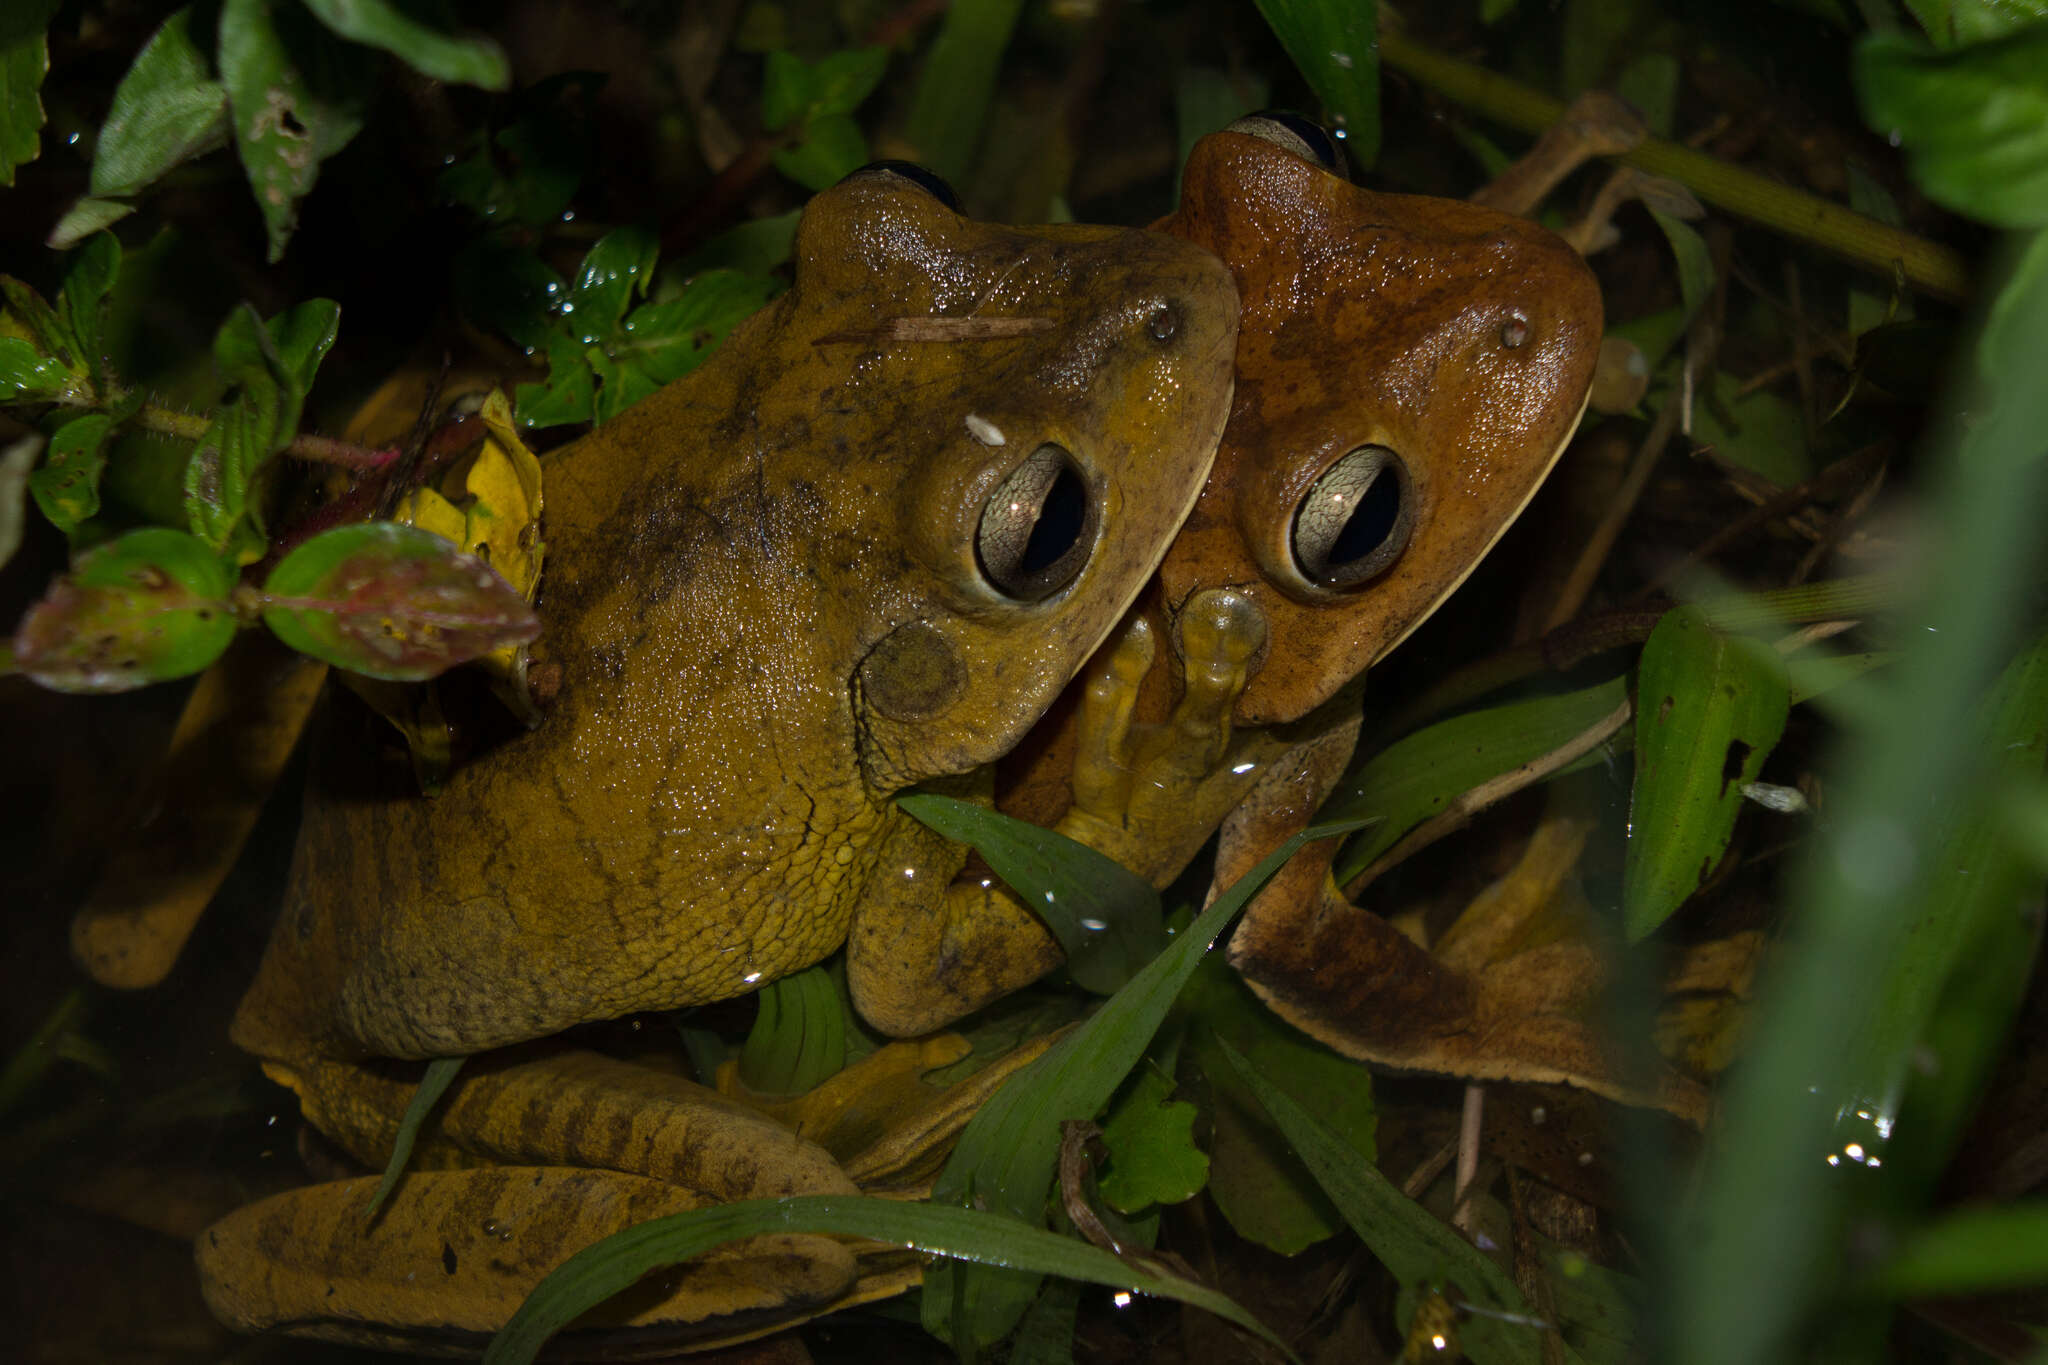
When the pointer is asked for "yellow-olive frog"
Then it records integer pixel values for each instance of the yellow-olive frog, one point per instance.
(863, 547)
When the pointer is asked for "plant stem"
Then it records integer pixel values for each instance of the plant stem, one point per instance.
(190, 426)
(1877, 246)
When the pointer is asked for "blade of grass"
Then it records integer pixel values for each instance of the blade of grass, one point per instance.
(439, 1075)
(958, 82)
(597, 1272)
(1768, 1221)
(1007, 1156)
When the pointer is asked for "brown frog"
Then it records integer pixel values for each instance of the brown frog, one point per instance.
(1408, 371)
(862, 548)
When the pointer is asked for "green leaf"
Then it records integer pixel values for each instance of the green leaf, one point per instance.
(1412, 780)
(1761, 431)
(569, 394)
(1106, 917)
(1335, 45)
(251, 424)
(430, 51)
(67, 487)
(1695, 262)
(669, 339)
(614, 272)
(27, 375)
(1153, 1158)
(832, 148)
(147, 607)
(1949, 22)
(1405, 1237)
(510, 290)
(167, 110)
(85, 217)
(300, 338)
(786, 85)
(751, 248)
(50, 336)
(295, 98)
(1257, 1180)
(1973, 121)
(799, 1034)
(82, 303)
(949, 107)
(439, 1075)
(842, 81)
(596, 1273)
(24, 60)
(1972, 1251)
(1709, 709)
(1006, 1157)
(393, 602)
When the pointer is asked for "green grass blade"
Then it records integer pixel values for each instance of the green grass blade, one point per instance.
(1106, 917)
(1973, 1251)
(439, 1075)
(1406, 1237)
(1007, 1156)
(597, 1272)
(958, 82)
(1336, 46)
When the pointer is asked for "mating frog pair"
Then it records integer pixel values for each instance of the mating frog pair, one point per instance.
(864, 548)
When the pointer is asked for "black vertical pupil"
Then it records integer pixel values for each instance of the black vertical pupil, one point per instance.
(1371, 523)
(1061, 517)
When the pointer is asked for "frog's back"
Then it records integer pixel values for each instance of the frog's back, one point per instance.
(708, 796)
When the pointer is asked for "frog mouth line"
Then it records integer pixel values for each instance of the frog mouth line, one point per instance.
(936, 328)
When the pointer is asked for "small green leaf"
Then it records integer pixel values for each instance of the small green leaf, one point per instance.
(669, 339)
(1983, 1250)
(167, 110)
(614, 272)
(1973, 121)
(510, 290)
(85, 217)
(1106, 917)
(430, 51)
(569, 394)
(67, 487)
(1418, 776)
(1695, 262)
(598, 1272)
(1153, 1158)
(842, 81)
(26, 375)
(295, 98)
(787, 83)
(82, 303)
(392, 602)
(300, 337)
(1335, 44)
(1006, 1157)
(253, 423)
(1761, 431)
(50, 336)
(799, 1035)
(1709, 709)
(24, 60)
(1405, 1237)
(439, 1075)
(832, 148)
(147, 607)
(1949, 22)
(1257, 1180)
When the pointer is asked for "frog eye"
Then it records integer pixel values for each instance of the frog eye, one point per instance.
(1037, 527)
(931, 182)
(1304, 137)
(1354, 521)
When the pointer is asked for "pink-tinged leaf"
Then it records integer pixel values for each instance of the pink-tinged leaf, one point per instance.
(145, 608)
(393, 602)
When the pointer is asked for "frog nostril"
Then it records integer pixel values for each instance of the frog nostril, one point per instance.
(1354, 522)
(1037, 528)
(1164, 324)
(1514, 333)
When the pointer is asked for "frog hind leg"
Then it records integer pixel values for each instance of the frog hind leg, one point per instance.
(455, 1251)
(1355, 982)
